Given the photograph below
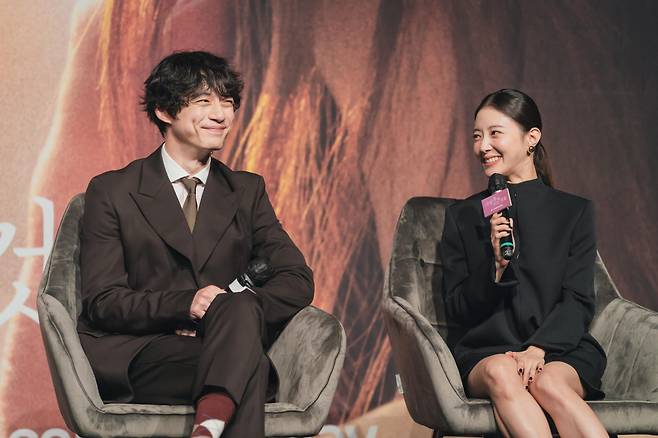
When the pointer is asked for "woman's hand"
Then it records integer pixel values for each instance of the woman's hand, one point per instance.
(530, 363)
(500, 228)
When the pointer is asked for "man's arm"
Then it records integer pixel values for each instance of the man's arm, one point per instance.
(291, 287)
(108, 301)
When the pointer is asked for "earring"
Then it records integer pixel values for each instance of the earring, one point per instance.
(531, 149)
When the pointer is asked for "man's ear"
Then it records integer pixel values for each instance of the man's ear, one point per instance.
(164, 116)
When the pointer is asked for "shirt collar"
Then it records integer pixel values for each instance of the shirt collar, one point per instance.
(176, 172)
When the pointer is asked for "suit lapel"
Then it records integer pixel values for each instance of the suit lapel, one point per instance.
(158, 203)
(218, 206)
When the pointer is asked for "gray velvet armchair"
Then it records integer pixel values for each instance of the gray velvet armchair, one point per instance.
(433, 390)
(309, 356)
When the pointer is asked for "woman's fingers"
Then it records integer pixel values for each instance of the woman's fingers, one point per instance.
(524, 376)
(519, 361)
(499, 219)
(519, 365)
(500, 227)
(529, 365)
(529, 371)
(532, 373)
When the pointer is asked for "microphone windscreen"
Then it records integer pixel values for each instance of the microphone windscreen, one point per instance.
(497, 182)
(259, 271)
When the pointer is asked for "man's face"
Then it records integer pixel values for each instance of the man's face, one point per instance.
(202, 125)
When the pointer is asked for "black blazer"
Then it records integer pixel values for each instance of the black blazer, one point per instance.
(546, 294)
(141, 266)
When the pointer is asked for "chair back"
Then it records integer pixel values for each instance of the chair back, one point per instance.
(63, 268)
(415, 271)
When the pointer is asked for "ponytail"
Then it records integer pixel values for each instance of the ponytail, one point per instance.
(542, 164)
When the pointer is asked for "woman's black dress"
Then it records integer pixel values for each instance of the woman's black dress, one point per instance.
(546, 294)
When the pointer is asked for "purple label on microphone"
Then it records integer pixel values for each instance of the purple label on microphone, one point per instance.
(496, 202)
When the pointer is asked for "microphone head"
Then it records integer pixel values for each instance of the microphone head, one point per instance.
(497, 182)
(259, 271)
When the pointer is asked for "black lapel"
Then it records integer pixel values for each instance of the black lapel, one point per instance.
(158, 203)
(218, 206)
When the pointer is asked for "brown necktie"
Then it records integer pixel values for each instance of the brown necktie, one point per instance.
(190, 207)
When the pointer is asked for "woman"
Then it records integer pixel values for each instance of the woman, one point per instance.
(526, 345)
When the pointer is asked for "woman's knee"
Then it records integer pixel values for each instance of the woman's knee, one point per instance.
(501, 377)
(551, 390)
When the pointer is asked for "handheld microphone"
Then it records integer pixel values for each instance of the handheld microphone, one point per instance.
(497, 183)
(257, 273)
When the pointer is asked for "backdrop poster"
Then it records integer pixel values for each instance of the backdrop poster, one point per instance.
(350, 109)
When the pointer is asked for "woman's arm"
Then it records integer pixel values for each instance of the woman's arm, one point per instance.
(470, 296)
(566, 324)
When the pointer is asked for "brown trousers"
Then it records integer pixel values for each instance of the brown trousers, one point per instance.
(228, 356)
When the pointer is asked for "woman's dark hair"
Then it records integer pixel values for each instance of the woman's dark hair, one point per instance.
(523, 110)
(181, 76)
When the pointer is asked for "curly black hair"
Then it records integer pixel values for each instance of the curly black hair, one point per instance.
(181, 76)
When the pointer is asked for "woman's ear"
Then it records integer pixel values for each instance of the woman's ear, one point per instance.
(533, 136)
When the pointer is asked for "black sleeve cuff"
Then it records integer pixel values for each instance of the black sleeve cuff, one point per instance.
(508, 279)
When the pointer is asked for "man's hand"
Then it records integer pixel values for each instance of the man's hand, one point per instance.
(185, 332)
(202, 300)
(530, 363)
(500, 227)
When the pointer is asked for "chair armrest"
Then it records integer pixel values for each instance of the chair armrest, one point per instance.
(308, 356)
(433, 389)
(628, 333)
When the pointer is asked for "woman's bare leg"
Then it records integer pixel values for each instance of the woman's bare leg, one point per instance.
(518, 413)
(558, 390)
(500, 424)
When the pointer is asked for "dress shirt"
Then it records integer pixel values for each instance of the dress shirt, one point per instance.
(175, 172)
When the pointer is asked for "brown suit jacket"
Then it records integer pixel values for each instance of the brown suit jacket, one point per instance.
(141, 266)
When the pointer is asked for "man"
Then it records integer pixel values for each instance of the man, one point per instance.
(161, 240)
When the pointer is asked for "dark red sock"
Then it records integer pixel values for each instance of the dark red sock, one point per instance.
(213, 406)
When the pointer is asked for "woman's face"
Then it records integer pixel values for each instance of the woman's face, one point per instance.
(501, 145)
